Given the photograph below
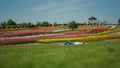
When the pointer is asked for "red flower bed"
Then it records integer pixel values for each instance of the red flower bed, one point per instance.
(24, 33)
(99, 30)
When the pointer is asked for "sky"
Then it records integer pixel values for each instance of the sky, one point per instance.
(60, 11)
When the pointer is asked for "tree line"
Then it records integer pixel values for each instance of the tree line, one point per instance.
(73, 24)
(11, 24)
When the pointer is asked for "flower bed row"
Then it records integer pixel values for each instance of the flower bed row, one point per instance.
(49, 27)
(78, 32)
(108, 31)
(48, 39)
(12, 40)
(94, 29)
(25, 33)
(61, 30)
(88, 38)
(99, 30)
(12, 29)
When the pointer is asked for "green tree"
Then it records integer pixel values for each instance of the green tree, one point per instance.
(50, 24)
(19, 26)
(55, 24)
(45, 23)
(72, 25)
(30, 25)
(64, 24)
(24, 25)
(3, 24)
(38, 24)
(118, 21)
(11, 23)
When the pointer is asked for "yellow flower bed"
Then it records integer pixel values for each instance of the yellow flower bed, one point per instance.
(88, 38)
(106, 32)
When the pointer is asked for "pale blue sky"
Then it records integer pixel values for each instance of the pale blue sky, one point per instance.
(61, 11)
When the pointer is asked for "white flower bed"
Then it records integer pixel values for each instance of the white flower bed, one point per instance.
(61, 30)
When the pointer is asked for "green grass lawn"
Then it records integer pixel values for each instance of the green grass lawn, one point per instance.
(97, 54)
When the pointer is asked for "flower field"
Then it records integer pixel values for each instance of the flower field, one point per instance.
(28, 39)
(25, 33)
(57, 34)
(88, 38)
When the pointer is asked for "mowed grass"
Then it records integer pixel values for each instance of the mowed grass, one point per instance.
(97, 54)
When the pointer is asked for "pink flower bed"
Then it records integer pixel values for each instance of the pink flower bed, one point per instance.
(25, 33)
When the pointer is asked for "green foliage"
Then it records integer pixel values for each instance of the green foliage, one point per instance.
(3, 25)
(64, 24)
(11, 23)
(38, 24)
(30, 25)
(26, 25)
(55, 24)
(50, 24)
(45, 23)
(72, 25)
(90, 55)
(119, 21)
